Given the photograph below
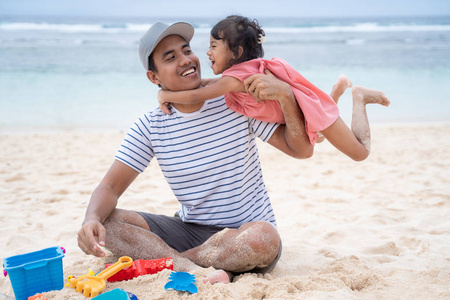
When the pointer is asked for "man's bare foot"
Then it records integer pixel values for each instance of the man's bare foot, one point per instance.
(339, 87)
(362, 95)
(218, 276)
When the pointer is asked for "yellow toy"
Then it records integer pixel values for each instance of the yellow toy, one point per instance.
(91, 286)
(90, 272)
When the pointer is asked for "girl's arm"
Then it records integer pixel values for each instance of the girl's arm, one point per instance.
(222, 86)
(209, 81)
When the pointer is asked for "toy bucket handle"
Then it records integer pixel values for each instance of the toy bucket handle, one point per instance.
(35, 265)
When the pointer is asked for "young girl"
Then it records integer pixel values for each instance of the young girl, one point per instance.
(236, 53)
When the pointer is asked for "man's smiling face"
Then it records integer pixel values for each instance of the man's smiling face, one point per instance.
(178, 68)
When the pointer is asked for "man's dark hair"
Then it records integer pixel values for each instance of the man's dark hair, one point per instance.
(151, 64)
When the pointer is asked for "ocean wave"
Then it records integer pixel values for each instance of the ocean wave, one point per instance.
(74, 28)
(204, 27)
(355, 42)
(360, 27)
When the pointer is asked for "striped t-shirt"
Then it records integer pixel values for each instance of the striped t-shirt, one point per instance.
(210, 160)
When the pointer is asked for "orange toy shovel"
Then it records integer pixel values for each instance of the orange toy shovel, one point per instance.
(90, 285)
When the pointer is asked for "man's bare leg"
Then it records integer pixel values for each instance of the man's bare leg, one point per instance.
(336, 92)
(127, 233)
(253, 245)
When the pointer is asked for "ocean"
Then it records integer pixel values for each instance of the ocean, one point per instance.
(84, 73)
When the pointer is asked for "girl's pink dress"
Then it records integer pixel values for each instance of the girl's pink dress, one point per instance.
(319, 109)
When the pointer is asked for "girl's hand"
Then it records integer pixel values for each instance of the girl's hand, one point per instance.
(163, 103)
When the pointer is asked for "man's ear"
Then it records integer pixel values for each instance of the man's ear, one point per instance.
(153, 77)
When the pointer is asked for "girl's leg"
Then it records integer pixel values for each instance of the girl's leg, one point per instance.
(355, 142)
(338, 89)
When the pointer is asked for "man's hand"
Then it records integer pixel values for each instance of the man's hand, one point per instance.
(90, 237)
(291, 138)
(163, 102)
(263, 87)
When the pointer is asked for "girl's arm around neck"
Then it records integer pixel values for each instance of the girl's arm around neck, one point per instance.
(221, 87)
(209, 81)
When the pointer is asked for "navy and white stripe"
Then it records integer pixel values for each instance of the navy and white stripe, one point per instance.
(209, 159)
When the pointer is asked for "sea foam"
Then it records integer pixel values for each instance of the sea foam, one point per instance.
(141, 27)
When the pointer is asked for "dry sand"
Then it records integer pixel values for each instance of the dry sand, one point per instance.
(378, 229)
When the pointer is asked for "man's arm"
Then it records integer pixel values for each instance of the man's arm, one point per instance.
(291, 138)
(103, 201)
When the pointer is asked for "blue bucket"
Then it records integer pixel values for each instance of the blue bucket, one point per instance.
(35, 272)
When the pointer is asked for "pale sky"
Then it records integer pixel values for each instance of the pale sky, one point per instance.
(251, 8)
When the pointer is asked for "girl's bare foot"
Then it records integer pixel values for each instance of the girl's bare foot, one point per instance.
(218, 276)
(339, 87)
(362, 95)
(336, 92)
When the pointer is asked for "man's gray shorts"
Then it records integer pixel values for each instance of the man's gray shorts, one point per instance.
(183, 236)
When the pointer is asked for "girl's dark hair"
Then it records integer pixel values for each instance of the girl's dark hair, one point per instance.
(237, 31)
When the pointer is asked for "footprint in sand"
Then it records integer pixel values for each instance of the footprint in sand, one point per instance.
(388, 248)
(335, 236)
(63, 192)
(17, 177)
(327, 253)
(353, 272)
(19, 239)
(66, 235)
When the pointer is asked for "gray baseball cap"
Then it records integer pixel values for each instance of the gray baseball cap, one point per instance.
(157, 33)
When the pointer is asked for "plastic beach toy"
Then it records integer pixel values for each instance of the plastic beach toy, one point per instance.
(90, 272)
(142, 267)
(35, 272)
(116, 294)
(181, 281)
(37, 296)
(90, 285)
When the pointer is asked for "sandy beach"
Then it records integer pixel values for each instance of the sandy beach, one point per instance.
(378, 229)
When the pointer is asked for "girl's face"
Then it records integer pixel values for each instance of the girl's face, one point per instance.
(219, 55)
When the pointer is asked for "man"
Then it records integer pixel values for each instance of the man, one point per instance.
(208, 155)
